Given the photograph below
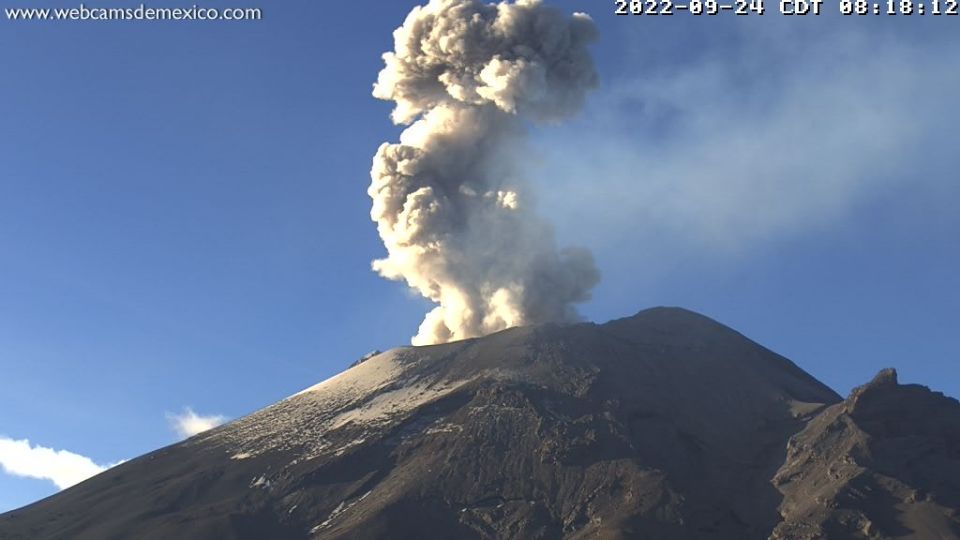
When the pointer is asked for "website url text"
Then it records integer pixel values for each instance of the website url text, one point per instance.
(139, 13)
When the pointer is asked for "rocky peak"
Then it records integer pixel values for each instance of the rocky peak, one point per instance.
(883, 382)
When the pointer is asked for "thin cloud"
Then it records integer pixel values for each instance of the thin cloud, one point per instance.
(188, 423)
(745, 140)
(62, 467)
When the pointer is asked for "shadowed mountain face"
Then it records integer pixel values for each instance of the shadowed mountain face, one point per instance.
(884, 463)
(662, 425)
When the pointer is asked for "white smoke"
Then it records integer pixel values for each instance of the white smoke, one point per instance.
(451, 209)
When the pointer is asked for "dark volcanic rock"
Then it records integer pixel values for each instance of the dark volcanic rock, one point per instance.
(662, 425)
(885, 463)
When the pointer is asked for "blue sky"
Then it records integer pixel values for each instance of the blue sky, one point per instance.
(184, 219)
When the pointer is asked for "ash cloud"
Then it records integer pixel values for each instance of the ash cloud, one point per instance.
(707, 154)
(453, 212)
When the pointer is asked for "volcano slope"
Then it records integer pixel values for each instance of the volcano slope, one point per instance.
(661, 425)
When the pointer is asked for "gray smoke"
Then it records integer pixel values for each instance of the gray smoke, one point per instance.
(452, 212)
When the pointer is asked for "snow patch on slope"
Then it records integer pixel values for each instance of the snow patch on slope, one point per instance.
(341, 412)
(385, 405)
(364, 378)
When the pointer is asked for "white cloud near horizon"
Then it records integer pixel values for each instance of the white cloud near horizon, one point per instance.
(189, 423)
(62, 467)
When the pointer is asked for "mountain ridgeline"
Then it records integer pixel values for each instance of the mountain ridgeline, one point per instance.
(664, 425)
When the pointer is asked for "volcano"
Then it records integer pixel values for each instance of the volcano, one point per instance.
(664, 425)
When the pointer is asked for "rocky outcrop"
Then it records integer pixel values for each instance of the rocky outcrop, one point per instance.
(885, 463)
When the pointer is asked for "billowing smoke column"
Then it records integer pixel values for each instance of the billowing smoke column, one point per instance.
(449, 206)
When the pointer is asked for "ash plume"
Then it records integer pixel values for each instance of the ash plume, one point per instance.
(453, 213)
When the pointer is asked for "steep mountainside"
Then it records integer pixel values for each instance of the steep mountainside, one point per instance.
(662, 425)
(885, 463)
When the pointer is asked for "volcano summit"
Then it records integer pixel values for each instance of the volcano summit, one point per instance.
(666, 424)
